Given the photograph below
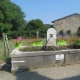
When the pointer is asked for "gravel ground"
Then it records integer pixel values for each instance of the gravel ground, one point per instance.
(70, 72)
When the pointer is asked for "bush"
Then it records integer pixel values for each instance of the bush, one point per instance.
(78, 31)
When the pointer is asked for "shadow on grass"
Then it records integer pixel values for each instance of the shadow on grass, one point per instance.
(7, 66)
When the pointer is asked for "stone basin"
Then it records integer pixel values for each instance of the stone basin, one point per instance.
(37, 59)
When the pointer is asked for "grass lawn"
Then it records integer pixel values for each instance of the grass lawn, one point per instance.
(11, 46)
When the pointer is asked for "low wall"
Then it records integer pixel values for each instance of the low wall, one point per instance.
(36, 59)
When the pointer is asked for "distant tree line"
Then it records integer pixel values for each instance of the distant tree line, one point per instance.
(35, 25)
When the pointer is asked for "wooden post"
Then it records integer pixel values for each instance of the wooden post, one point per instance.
(37, 35)
(5, 51)
(7, 44)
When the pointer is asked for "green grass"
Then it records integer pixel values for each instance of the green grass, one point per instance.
(44, 41)
(11, 47)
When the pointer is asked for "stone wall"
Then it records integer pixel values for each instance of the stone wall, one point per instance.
(71, 22)
(36, 59)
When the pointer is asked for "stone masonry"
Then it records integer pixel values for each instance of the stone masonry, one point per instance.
(71, 22)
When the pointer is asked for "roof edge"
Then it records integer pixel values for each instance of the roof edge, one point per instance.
(65, 17)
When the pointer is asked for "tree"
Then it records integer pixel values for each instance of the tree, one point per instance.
(78, 31)
(36, 25)
(51, 26)
(11, 18)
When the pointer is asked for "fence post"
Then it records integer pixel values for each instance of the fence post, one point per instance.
(7, 44)
(37, 34)
(5, 51)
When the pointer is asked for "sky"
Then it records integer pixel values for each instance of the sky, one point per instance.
(48, 10)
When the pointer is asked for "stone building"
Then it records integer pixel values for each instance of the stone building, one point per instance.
(71, 22)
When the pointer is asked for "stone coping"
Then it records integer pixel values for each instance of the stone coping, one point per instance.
(17, 53)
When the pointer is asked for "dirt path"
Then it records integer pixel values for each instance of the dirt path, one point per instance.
(70, 72)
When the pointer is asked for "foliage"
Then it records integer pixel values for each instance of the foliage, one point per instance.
(37, 40)
(78, 31)
(62, 40)
(36, 25)
(51, 26)
(11, 18)
(71, 40)
(33, 40)
(47, 25)
(74, 40)
(17, 41)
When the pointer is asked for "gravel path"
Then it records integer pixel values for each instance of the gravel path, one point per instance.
(70, 72)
